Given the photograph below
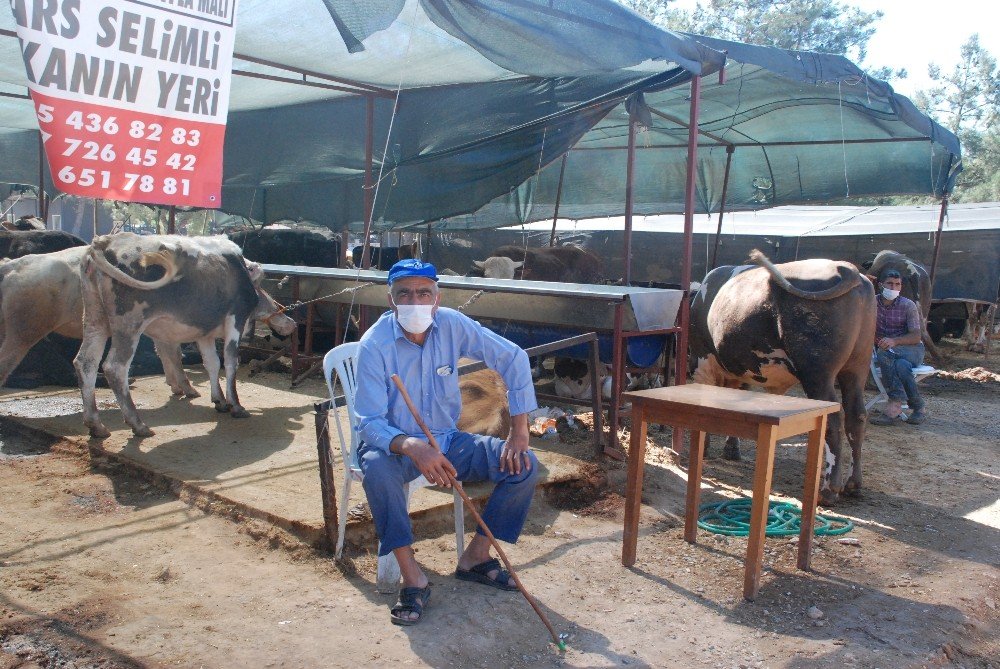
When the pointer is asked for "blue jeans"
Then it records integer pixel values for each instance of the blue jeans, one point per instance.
(896, 367)
(475, 458)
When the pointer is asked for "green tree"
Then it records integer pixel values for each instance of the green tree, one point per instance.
(967, 101)
(810, 25)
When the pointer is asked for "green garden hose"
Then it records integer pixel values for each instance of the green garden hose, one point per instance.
(732, 518)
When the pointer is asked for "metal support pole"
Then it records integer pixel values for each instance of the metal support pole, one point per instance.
(937, 239)
(364, 314)
(172, 220)
(629, 175)
(730, 150)
(555, 213)
(369, 193)
(685, 315)
(41, 208)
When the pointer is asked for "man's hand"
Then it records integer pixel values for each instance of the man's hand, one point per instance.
(514, 454)
(429, 460)
(885, 343)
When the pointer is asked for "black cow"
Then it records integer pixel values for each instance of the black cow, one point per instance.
(27, 222)
(17, 243)
(384, 257)
(810, 322)
(312, 247)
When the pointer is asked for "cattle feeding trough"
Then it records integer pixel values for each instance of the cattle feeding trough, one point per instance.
(618, 313)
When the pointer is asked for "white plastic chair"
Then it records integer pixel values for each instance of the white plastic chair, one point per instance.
(341, 361)
(919, 373)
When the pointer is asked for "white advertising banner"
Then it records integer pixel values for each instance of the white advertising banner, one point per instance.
(131, 95)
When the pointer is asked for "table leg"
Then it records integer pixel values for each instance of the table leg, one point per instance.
(633, 484)
(696, 455)
(814, 468)
(758, 509)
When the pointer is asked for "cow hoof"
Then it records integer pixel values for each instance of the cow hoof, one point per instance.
(828, 497)
(191, 394)
(240, 412)
(853, 489)
(99, 432)
(142, 432)
(223, 408)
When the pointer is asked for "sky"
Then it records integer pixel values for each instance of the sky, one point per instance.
(914, 33)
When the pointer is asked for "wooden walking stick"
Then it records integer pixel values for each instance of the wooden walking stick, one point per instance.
(479, 519)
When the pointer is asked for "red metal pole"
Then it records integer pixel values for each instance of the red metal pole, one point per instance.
(43, 208)
(629, 174)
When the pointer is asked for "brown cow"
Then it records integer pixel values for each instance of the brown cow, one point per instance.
(484, 403)
(810, 322)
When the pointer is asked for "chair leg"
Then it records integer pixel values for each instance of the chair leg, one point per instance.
(387, 579)
(342, 521)
(459, 524)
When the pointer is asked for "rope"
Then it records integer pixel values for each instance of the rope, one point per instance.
(732, 518)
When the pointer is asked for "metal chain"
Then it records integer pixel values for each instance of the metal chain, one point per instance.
(471, 300)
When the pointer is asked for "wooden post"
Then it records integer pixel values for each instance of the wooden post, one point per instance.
(327, 486)
(633, 483)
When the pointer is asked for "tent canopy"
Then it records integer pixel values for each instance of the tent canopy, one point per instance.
(470, 102)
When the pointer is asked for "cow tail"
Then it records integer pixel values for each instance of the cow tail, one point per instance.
(164, 259)
(845, 286)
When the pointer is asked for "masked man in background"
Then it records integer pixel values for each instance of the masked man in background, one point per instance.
(422, 343)
(898, 350)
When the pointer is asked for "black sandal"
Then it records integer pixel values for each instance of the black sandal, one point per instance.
(411, 600)
(480, 574)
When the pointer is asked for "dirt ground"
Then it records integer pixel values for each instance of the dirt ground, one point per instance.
(100, 567)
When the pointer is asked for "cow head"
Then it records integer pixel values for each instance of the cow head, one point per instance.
(498, 267)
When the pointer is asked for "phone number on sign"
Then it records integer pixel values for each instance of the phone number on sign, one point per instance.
(144, 183)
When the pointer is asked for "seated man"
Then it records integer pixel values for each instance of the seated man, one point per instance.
(422, 343)
(898, 350)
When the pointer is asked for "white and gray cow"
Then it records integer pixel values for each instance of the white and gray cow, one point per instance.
(773, 326)
(174, 289)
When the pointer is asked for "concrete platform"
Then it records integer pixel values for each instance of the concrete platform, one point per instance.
(262, 467)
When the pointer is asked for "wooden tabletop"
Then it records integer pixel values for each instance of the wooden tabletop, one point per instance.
(712, 401)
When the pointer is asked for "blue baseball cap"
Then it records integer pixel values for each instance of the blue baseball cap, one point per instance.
(412, 267)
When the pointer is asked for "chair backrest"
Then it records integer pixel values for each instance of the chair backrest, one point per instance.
(342, 361)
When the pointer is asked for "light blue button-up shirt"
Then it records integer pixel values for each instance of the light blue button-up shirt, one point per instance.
(430, 374)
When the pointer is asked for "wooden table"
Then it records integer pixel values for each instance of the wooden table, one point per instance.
(740, 413)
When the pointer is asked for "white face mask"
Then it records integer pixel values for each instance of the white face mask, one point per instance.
(890, 294)
(415, 318)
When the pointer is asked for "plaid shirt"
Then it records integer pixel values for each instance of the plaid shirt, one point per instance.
(897, 318)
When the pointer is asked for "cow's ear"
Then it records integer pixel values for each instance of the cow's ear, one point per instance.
(518, 265)
(255, 270)
(479, 263)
